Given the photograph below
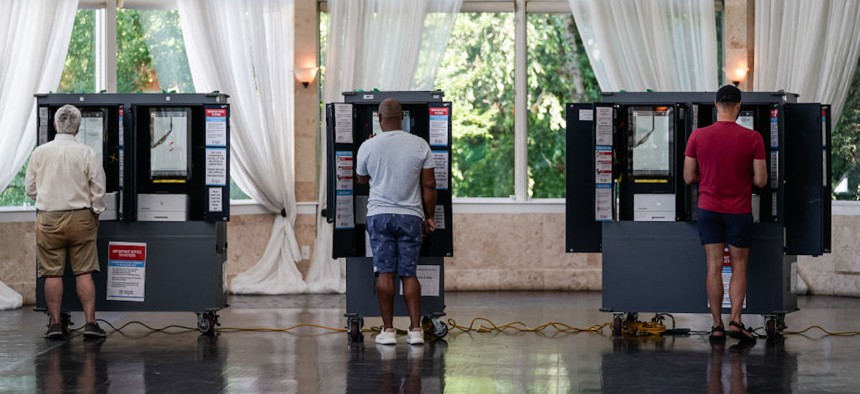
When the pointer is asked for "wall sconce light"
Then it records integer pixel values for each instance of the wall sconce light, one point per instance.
(737, 74)
(305, 75)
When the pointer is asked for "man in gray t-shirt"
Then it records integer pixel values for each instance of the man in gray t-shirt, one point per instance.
(400, 212)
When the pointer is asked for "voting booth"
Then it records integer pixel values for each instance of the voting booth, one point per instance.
(162, 241)
(626, 198)
(348, 124)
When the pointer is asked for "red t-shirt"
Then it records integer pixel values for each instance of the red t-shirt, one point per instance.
(725, 152)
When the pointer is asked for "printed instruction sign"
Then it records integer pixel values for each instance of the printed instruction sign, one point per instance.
(586, 115)
(774, 128)
(126, 276)
(439, 117)
(603, 202)
(428, 277)
(603, 165)
(216, 166)
(216, 126)
(216, 199)
(343, 123)
(343, 170)
(439, 217)
(344, 210)
(603, 127)
(440, 164)
(774, 169)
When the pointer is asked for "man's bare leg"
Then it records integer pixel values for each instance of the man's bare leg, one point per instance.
(412, 294)
(714, 281)
(54, 297)
(385, 297)
(87, 294)
(738, 285)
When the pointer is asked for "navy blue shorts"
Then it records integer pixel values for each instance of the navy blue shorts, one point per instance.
(395, 241)
(717, 228)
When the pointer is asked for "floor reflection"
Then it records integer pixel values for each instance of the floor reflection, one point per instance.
(68, 368)
(396, 369)
(653, 363)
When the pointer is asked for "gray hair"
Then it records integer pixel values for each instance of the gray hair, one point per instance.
(67, 120)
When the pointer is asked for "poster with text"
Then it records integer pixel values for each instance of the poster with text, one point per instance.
(440, 164)
(439, 117)
(216, 126)
(343, 123)
(126, 276)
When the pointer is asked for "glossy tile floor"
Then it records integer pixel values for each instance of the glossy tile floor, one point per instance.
(310, 360)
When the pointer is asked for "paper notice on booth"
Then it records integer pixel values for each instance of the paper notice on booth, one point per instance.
(43, 125)
(586, 115)
(774, 169)
(428, 277)
(603, 202)
(343, 123)
(439, 217)
(440, 162)
(344, 210)
(603, 126)
(216, 166)
(216, 126)
(216, 200)
(126, 276)
(603, 165)
(343, 170)
(439, 126)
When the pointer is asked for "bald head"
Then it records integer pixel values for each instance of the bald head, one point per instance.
(390, 115)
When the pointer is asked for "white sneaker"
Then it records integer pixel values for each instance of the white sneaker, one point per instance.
(387, 337)
(415, 336)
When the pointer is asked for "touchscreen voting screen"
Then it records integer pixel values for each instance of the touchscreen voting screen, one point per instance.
(406, 125)
(92, 131)
(651, 129)
(170, 144)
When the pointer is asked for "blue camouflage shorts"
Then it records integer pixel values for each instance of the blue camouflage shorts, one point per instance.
(395, 241)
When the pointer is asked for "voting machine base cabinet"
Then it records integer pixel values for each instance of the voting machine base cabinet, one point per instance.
(162, 240)
(626, 198)
(348, 124)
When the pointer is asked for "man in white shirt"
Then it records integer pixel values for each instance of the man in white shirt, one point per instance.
(400, 211)
(68, 183)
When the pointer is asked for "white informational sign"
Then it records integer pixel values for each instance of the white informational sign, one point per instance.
(343, 123)
(91, 132)
(774, 128)
(43, 125)
(121, 127)
(746, 121)
(216, 166)
(344, 210)
(603, 127)
(603, 165)
(439, 217)
(121, 166)
(374, 120)
(216, 199)
(603, 202)
(439, 117)
(428, 277)
(586, 115)
(774, 169)
(344, 170)
(126, 276)
(440, 164)
(216, 126)
(773, 204)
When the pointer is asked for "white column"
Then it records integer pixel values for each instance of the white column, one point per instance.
(521, 159)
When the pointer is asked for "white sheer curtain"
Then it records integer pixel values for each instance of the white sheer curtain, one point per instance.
(662, 45)
(807, 47)
(245, 48)
(384, 44)
(34, 38)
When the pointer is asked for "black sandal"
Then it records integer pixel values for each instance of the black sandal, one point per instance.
(742, 333)
(717, 338)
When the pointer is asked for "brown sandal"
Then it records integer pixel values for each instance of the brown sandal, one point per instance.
(717, 338)
(742, 333)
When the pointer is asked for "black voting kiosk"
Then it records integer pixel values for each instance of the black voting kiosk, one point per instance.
(162, 240)
(626, 198)
(348, 124)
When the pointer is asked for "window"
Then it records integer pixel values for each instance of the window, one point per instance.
(477, 75)
(846, 146)
(558, 73)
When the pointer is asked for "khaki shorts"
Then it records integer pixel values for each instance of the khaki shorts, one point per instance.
(68, 232)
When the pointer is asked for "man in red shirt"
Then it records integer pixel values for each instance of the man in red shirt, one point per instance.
(726, 159)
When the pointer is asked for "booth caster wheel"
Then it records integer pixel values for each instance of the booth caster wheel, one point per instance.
(353, 327)
(206, 322)
(773, 325)
(434, 326)
(617, 326)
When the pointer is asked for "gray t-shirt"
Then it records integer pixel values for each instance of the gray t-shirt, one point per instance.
(394, 160)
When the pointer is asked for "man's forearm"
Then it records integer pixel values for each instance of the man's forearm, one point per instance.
(429, 197)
